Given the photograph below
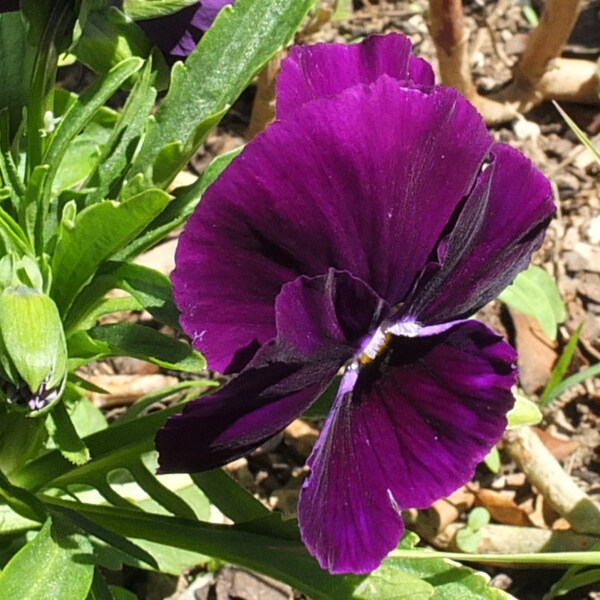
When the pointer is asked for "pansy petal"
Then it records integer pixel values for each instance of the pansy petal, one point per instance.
(321, 323)
(173, 34)
(327, 69)
(316, 191)
(408, 429)
(501, 224)
(207, 13)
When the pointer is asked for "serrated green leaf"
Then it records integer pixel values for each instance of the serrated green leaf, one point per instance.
(534, 293)
(131, 339)
(81, 112)
(126, 136)
(450, 580)
(98, 232)
(63, 433)
(524, 412)
(391, 583)
(151, 9)
(239, 43)
(57, 564)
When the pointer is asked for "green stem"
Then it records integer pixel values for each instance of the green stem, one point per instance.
(43, 80)
(541, 558)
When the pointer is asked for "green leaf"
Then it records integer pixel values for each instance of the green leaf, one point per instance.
(578, 132)
(450, 580)
(239, 43)
(81, 112)
(559, 370)
(151, 9)
(186, 199)
(120, 593)
(57, 564)
(131, 339)
(573, 380)
(524, 412)
(276, 557)
(111, 448)
(534, 293)
(77, 116)
(114, 539)
(194, 387)
(391, 582)
(126, 135)
(86, 417)
(150, 288)
(97, 233)
(229, 497)
(492, 460)
(21, 439)
(479, 517)
(16, 66)
(62, 431)
(467, 539)
(85, 150)
(108, 38)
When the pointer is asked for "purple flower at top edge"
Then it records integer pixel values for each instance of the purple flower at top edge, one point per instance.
(9, 5)
(176, 35)
(360, 232)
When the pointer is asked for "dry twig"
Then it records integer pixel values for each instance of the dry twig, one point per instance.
(538, 75)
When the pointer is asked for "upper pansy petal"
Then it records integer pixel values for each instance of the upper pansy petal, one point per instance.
(321, 323)
(324, 70)
(207, 13)
(177, 34)
(408, 429)
(364, 182)
(500, 225)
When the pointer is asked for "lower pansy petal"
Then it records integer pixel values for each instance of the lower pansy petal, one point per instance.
(242, 415)
(408, 428)
(321, 322)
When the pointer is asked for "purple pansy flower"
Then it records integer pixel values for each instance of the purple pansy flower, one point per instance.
(358, 232)
(176, 35)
